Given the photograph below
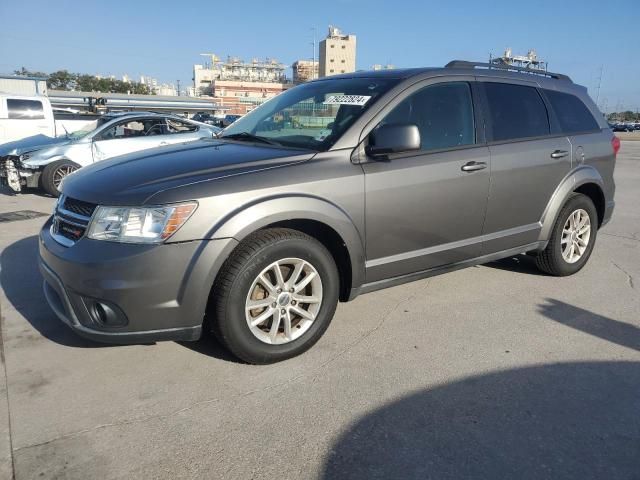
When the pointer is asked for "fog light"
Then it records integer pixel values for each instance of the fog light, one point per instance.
(104, 314)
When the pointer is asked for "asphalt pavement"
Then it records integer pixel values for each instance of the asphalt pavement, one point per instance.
(494, 371)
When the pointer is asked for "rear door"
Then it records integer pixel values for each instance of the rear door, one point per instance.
(528, 162)
(590, 145)
(423, 209)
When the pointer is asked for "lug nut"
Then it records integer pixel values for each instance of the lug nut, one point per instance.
(293, 302)
(291, 290)
(283, 311)
(273, 305)
(279, 290)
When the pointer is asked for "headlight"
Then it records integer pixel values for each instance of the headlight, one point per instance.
(139, 224)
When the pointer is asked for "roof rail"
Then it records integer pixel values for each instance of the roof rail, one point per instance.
(510, 68)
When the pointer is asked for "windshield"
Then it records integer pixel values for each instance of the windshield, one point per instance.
(311, 116)
(79, 134)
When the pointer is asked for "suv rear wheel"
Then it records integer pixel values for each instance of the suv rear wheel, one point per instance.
(275, 296)
(572, 238)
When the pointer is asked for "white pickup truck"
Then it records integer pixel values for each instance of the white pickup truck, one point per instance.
(26, 116)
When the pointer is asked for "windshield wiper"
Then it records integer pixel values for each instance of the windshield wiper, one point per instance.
(250, 137)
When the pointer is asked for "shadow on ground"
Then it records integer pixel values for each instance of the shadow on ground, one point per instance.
(518, 264)
(573, 420)
(614, 331)
(22, 284)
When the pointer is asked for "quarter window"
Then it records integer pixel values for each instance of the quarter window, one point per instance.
(177, 126)
(443, 114)
(25, 109)
(573, 115)
(516, 111)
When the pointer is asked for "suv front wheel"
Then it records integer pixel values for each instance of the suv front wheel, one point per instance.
(275, 296)
(572, 238)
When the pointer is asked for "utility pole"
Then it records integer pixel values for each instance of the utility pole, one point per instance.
(313, 65)
(599, 83)
(178, 82)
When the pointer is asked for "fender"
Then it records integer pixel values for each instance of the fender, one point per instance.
(265, 211)
(574, 179)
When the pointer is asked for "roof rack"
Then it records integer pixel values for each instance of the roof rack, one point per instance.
(510, 68)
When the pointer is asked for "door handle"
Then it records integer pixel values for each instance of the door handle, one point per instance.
(559, 154)
(473, 166)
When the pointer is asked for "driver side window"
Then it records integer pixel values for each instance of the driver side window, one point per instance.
(443, 114)
(133, 128)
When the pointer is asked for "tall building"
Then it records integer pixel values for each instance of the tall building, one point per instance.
(239, 86)
(337, 53)
(304, 70)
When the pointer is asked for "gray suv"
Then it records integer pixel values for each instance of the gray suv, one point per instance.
(334, 188)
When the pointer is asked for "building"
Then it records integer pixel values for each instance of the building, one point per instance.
(305, 70)
(239, 86)
(377, 66)
(337, 53)
(22, 85)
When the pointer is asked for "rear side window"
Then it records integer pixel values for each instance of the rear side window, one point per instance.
(573, 115)
(516, 111)
(443, 114)
(177, 126)
(25, 109)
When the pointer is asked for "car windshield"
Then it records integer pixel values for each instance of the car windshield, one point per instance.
(79, 134)
(310, 116)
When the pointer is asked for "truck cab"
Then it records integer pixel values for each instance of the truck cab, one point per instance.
(25, 116)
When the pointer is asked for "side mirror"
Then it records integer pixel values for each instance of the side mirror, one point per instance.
(393, 138)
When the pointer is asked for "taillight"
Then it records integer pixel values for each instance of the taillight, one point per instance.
(615, 143)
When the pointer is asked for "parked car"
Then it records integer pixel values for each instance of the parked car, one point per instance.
(262, 231)
(46, 164)
(622, 127)
(229, 119)
(208, 119)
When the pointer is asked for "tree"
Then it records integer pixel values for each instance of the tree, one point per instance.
(62, 80)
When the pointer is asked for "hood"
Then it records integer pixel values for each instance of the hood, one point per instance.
(29, 144)
(134, 178)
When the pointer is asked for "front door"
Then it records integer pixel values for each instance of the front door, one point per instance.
(128, 136)
(426, 209)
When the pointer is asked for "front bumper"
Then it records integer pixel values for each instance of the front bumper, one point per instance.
(15, 175)
(155, 292)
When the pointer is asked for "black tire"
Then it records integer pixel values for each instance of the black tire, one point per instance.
(550, 260)
(50, 175)
(232, 285)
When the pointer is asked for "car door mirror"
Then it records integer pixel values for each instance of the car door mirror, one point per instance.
(393, 138)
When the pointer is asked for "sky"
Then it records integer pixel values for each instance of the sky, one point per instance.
(163, 39)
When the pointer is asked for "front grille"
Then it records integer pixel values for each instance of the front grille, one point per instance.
(70, 221)
(79, 207)
(68, 230)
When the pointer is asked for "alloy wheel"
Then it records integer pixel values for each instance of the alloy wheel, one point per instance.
(62, 172)
(283, 301)
(575, 236)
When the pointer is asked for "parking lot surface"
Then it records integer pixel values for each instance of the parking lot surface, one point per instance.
(494, 371)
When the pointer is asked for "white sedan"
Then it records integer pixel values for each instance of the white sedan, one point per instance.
(117, 134)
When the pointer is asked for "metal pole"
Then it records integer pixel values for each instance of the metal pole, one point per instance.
(313, 65)
(599, 83)
(178, 82)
